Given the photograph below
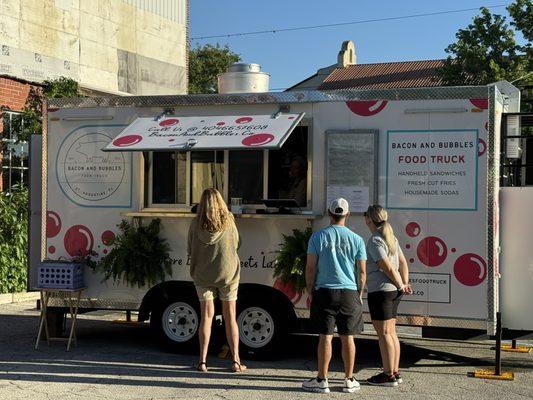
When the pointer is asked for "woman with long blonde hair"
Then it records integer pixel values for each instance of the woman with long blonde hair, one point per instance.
(387, 281)
(212, 244)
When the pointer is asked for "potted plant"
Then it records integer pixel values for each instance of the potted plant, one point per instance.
(139, 257)
(290, 264)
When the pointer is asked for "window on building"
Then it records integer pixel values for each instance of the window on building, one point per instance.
(15, 153)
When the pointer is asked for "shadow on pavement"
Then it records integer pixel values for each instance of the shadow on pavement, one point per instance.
(110, 353)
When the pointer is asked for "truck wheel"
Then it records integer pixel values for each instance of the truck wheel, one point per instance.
(263, 328)
(176, 324)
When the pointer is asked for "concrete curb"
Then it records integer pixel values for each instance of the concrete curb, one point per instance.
(9, 298)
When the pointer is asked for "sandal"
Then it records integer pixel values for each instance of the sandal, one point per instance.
(236, 366)
(201, 366)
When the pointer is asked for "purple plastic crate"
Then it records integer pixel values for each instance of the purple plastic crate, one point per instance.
(60, 275)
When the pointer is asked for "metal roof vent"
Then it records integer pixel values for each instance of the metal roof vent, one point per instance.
(243, 78)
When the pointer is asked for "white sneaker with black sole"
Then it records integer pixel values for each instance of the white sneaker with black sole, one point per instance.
(316, 385)
(350, 385)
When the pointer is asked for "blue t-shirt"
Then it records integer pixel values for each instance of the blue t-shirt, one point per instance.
(337, 248)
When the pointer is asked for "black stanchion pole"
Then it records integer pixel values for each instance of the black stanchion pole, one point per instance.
(498, 361)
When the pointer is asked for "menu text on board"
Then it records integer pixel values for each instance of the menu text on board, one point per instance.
(433, 169)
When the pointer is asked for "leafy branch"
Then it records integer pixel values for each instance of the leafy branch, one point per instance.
(291, 259)
(140, 257)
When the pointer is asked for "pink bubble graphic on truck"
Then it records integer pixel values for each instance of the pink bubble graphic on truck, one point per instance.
(53, 224)
(128, 140)
(432, 251)
(259, 139)
(470, 269)
(78, 241)
(366, 108)
(412, 229)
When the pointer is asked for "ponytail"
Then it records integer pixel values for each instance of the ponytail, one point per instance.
(378, 215)
(388, 235)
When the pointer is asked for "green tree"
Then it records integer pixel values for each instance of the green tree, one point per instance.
(13, 240)
(31, 114)
(205, 63)
(486, 51)
(522, 13)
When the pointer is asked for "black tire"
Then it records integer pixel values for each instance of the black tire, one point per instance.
(175, 322)
(263, 326)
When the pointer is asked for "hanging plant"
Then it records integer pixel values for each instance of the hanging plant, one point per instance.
(140, 257)
(291, 259)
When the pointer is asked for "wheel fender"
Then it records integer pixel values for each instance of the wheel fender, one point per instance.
(163, 293)
(249, 291)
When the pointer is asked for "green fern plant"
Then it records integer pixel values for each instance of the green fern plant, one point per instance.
(140, 257)
(291, 258)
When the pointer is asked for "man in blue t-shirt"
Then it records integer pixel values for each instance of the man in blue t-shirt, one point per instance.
(335, 275)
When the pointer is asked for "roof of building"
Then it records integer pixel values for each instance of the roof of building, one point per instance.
(392, 75)
(389, 75)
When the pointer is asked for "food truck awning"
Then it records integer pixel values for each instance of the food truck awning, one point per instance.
(206, 133)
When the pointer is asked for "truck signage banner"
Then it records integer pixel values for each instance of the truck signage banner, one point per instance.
(203, 133)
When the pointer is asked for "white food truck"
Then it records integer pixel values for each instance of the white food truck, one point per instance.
(430, 156)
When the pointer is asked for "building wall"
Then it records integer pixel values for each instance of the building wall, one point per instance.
(13, 94)
(113, 46)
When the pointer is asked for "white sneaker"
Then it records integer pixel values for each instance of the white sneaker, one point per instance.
(313, 385)
(350, 385)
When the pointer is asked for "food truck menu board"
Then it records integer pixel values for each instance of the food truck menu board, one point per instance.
(432, 169)
(351, 167)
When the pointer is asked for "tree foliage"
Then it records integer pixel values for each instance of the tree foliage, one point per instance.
(31, 114)
(13, 240)
(522, 13)
(205, 63)
(486, 51)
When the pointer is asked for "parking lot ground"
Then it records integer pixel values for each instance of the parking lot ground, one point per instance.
(121, 361)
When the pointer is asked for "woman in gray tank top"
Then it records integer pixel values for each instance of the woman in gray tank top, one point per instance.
(387, 281)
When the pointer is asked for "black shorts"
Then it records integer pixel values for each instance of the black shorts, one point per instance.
(341, 307)
(384, 305)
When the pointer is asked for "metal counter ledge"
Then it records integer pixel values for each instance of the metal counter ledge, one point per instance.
(175, 214)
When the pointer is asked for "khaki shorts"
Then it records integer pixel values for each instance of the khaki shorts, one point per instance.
(225, 292)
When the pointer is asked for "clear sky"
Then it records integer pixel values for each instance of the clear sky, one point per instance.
(290, 57)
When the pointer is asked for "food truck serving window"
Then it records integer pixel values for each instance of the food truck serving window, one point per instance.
(177, 178)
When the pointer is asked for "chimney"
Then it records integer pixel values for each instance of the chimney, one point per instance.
(346, 55)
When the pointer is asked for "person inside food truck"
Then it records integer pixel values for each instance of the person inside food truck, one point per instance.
(335, 277)
(297, 189)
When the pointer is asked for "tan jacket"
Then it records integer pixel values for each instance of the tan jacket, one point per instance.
(214, 259)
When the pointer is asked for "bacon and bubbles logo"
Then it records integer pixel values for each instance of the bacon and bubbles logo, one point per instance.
(89, 176)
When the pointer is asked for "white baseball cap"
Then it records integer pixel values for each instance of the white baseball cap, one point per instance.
(339, 207)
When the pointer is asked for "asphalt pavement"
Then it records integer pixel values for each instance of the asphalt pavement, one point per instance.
(121, 361)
